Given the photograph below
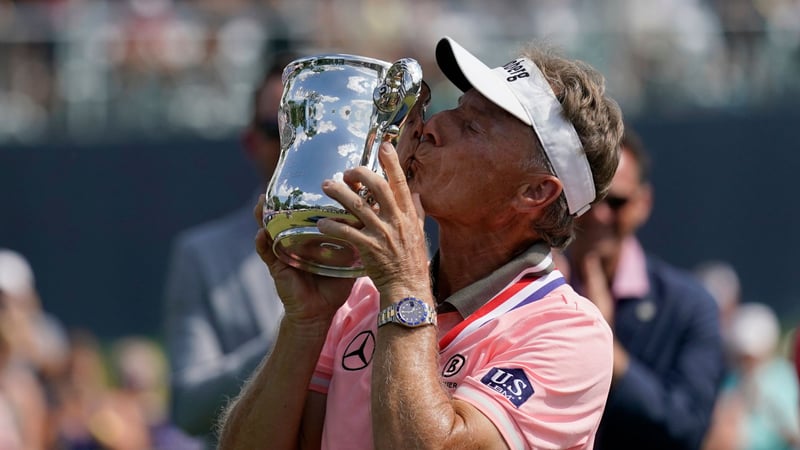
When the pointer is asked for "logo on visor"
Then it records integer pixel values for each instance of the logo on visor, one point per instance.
(515, 71)
(513, 384)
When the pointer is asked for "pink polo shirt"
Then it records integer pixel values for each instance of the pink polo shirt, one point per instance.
(536, 360)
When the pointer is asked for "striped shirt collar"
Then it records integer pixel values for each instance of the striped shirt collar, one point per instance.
(467, 300)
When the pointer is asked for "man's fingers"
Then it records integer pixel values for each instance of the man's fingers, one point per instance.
(352, 201)
(394, 174)
(262, 241)
(419, 209)
(258, 211)
(264, 246)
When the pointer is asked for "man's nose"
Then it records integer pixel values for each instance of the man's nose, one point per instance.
(431, 129)
(415, 124)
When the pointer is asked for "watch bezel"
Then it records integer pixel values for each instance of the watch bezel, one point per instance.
(420, 309)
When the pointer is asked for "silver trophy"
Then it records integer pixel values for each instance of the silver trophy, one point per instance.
(335, 112)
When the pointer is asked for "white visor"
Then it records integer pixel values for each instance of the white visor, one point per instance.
(520, 88)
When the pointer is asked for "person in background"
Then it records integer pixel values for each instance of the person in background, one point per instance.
(23, 416)
(39, 337)
(668, 357)
(141, 371)
(797, 351)
(486, 347)
(80, 391)
(797, 356)
(757, 408)
(31, 346)
(221, 307)
(721, 281)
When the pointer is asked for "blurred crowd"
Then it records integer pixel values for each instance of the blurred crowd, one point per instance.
(758, 405)
(64, 389)
(98, 69)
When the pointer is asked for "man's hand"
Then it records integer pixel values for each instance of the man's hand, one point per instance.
(597, 287)
(306, 297)
(391, 240)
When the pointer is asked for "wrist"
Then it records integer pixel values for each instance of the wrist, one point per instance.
(409, 312)
(306, 328)
(393, 293)
(621, 361)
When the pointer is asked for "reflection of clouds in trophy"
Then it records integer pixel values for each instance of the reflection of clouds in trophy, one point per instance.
(298, 140)
(301, 76)
(316, 124)
(362, 85)
(328, 99)
(351, 153)
(325, 127)
(310, 72)
(359, 118)
(294, 196)
(301, 93)
(309, 198)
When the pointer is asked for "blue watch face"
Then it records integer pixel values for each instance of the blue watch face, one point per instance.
(412, 311)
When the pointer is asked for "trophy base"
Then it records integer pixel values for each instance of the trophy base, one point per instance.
(308, 249)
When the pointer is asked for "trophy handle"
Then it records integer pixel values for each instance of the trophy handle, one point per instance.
(396, 94)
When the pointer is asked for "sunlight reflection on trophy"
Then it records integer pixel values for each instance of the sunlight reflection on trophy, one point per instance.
(335, 112)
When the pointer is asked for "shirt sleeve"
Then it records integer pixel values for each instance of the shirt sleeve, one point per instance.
(545, 383)
(321, 379)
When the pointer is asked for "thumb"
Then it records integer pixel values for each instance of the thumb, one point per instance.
(264, 247)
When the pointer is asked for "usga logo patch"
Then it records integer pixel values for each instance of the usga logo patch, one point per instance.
(512, 383)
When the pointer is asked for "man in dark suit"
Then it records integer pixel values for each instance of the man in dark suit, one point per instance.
(668, 358)
(222, 311)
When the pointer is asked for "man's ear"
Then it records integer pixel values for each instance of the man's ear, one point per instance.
(537, 195)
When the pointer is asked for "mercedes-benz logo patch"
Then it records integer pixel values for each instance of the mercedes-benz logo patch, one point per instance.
(359, 351)
(453, 366)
